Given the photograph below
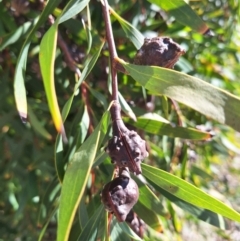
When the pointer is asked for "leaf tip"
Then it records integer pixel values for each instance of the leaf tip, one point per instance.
(63, 134)
(23, 117)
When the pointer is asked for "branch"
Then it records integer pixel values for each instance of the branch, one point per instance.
(112, 48)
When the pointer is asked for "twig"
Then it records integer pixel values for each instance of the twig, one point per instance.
(85, 99)
(178, 111)
(67, 56)
(112, 48)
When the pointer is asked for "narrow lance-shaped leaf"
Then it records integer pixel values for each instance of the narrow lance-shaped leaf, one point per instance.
(59, 162)
(188, 192)
(132, 33)
(37, 125)
(19, 86)
(202, 214)
(191, 91)
(153, 125)
(76, 177)
(183, 14)
(15, 35)
(47, 58)
(149, 216)
(90, 231)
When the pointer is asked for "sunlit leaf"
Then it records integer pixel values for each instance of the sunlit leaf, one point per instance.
(75, 178)
(202, 214)
(47, 58)
(153, 125)
(191, 91)
(188, 192)
(19, 86)
(183, 14)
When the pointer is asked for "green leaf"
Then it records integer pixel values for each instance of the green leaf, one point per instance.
(151, 123)
(19, 87)
(202, 214)
(191, 91)
(37, 126)
(183, 14)
(117, 234)
(130, 233)
(14, 36)
(47, 58)
(188, 192)
(125, 107)
(73, 8)
(89, 64)
(149, 216)
(76, 177)
(59, 158)
(90, 231)
(99, 96)
(150, 200)
(131, 32)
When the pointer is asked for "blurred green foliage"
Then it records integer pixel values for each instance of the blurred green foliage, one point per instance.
(30, 189)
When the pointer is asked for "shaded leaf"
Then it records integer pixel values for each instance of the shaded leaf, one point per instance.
(149, 216)
(59, 158)
(130, 233)
(191, 91)
(37, 126)
(131, 32)
(183, 14)
(90, 231)
(73, 8)
(188, 192)
(14, 36)
(89, 64)
(150, 200)
(126, 108)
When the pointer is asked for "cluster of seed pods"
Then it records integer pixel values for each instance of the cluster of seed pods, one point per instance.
(126, 148)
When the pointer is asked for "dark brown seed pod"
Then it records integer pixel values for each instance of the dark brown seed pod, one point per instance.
(136, 224)
(159, 51)
(126, 148)
(120, 195)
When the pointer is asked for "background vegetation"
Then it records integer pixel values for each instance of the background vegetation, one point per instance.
(34, 157)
